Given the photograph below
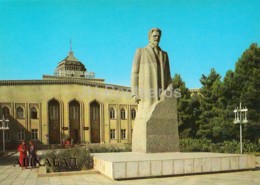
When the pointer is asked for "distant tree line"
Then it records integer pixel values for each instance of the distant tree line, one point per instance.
(209, 114)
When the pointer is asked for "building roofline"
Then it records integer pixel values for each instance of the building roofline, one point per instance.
(64, 82)
(72, 78)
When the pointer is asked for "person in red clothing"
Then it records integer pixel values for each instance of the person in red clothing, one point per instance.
(22, 149)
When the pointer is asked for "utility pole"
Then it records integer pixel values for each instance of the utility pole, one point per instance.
(241, 118)
(4, 127)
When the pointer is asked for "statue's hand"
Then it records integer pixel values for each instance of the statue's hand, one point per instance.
(137, 98)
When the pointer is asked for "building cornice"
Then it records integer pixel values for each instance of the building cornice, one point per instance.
(51, 77)
(63, 82)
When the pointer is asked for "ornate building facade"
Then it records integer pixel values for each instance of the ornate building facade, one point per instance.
(69, 104)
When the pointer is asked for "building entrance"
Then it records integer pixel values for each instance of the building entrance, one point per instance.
(54, 121)
(74, 117)
(95, 122)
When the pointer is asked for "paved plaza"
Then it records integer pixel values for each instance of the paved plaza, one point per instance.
(15, 175)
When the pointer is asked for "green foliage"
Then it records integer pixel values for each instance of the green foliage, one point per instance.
(83, 159)
(210, 120)
(106, 148)
(206, 145)
(227, 147)
(219, 98)
(234, 147)
(250, 147)
(82, 155)
(243, 85)
(188, 107)
(195, 145)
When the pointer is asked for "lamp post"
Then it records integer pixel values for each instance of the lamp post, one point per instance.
(241, 118)
(4, 126)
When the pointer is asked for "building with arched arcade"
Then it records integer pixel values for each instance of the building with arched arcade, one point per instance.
(69, 104)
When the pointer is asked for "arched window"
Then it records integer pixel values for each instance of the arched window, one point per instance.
(74, 110)
(34, 113)
(122, 113)
(19, 113)
(54, 112)
(112, 113)
(6, 111)
(133, 114)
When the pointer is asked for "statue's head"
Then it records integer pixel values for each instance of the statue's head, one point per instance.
(154, 36)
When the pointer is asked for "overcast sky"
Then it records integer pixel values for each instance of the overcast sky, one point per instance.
(197, 34)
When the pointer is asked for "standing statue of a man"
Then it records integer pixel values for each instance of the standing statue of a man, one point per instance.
(156, 124)
(150, 78)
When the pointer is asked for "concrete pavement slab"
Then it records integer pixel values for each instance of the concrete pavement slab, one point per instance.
(10, 175)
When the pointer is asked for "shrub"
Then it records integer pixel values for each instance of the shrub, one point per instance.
(106, 148)
(205, 145)
(195, 145)
(82, 156)
(250, 147)
(228, 147)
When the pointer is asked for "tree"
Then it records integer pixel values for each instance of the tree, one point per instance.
(243, 85)
(211, 120)
(211, 115)
(187, 109)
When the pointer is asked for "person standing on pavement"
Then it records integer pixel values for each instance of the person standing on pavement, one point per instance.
(32, 154)
(23, 159)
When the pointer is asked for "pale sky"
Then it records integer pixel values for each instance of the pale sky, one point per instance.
(197, 34)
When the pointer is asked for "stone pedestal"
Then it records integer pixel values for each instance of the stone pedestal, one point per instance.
(142, 165)
(157, 130)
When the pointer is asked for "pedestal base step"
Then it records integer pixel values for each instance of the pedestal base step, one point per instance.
(128, 165)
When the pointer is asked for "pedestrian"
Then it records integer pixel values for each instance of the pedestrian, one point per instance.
(32, 154)
(23, 159)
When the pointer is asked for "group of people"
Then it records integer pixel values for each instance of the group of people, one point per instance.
(28, 154)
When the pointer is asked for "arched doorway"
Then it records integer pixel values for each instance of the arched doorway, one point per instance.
(54, 121)
(95, 122)
(74, 117)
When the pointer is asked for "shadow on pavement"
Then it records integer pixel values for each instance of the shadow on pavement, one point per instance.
(9, 159)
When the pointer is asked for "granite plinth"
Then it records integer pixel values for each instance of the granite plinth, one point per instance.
(139, 165)
(156, 131)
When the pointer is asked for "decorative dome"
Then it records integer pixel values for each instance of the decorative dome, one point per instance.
(70, 67)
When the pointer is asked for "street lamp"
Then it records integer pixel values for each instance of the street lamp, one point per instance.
(241, 118)
(4, 126)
